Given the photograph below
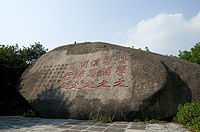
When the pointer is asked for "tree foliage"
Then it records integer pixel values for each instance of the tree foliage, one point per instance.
(13, 62)
(193, 55)
(11, 66)
(30, 54)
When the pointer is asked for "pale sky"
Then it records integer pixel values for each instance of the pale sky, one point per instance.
(165, 26)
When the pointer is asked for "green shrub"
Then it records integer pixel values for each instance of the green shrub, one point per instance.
(136, 120)
(153, 121)
(30, 113)
(189, 115)
(196, 123)
(105, 118)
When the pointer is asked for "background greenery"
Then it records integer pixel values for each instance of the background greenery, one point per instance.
(13, 62)
(193, 55)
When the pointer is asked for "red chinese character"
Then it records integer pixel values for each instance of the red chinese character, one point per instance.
(119, 84)
(84, 64)
(121, 70)
(72, 66)
(92, 72)
(62, 87)
(102, 84)
(122, 58)
(95, 62)
(107, 60)
(87, 85)
(80, 74)
(106, 71)
(74, 86)
(68, 75)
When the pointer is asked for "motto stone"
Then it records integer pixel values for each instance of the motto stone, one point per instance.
(74, 81)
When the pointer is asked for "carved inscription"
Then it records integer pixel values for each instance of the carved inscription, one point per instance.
(87, 74)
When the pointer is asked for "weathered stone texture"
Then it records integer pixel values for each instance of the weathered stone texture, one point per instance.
(73, 81)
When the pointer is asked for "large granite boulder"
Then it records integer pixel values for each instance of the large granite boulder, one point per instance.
(76, 80)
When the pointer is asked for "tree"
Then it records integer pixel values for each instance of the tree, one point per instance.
(192, 56)
(11, 66)
(30, 54)
(13, 62)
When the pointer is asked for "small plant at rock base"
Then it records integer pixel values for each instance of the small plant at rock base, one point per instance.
(136, 120)
(189, 115)
(30, 113)
(123, 117)
(153, 121)
(105, 118)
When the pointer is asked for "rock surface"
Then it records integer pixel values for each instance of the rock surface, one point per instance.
(76, 80)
